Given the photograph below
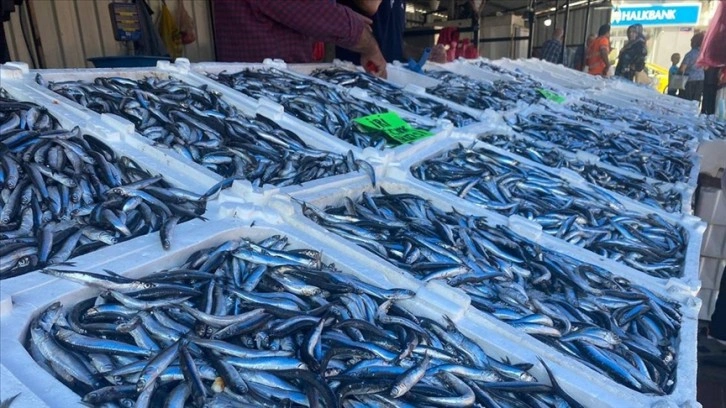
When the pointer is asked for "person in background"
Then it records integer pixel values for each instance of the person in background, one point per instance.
(252, 30)
(552, 48)
(389, 22)
(598, 62)
(581, 53)
(694, 85)
(710, 88)
(675, 59)
(632, 57)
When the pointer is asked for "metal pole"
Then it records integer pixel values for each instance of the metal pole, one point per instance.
(585, 33)
(557, 7)
(564, 34)
(476, 27)
(530, 37)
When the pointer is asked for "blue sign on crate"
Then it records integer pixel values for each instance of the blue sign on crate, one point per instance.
(673, 14)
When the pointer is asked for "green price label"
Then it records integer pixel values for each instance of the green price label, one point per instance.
(394, 126)
(552, 96)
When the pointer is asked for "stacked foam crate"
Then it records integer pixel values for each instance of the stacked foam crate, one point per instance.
(712, 209)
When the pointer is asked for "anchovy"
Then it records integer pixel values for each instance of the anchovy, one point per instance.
(589, 217)
(564, 303)
(342, 345)
(653, 193)
(62, 184)
(394, 95)
(203, 127)
(626, 149)
(499, 96)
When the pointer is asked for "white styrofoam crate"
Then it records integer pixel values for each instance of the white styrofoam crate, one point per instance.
(557, 73)
(401, 76)
(686, 191)
(125, 131)
(614, 96)
(413, 89)
(121, 139)
(625, 125)
(580, 381)
(469, 69)
(39, 387)
(708, 298)
(712, 206)
(438, 126)
(693, 158)
(461, 66)
(713, 157)
(711, 272)
(714, 241)
(692, 225)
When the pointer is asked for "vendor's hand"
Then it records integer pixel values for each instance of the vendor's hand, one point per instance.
(374, 63)
(371, 57)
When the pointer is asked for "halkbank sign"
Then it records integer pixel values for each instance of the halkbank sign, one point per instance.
(683, 14)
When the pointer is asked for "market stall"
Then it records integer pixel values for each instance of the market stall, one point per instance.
(309, 235)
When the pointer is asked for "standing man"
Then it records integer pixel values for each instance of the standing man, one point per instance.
(252, 30)
(694, 85)
(389, 22)
(598, 62)
(552, 48)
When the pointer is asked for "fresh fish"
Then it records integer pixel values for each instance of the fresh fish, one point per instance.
(343, 345)
(201, 126)
(653, 193)
(394, 95)
(580, 309)
(588, 217)
(60, 169)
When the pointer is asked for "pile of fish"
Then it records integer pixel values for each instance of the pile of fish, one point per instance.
(588, 217)
(636, 153)
(523, 78)
(324, 107)
(636, 119)
(657, 195)
(201, 126)
(257, 324)
(499, 96)
(674, 137)
(66, 194)
(619, 329)
(713, 128)
(394, 95)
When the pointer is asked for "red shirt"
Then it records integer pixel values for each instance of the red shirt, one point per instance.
(252, 30)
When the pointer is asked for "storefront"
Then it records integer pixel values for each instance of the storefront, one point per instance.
(668, 27)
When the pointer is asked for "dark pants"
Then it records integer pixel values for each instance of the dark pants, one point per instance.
(693, 91)
(710, 88)
(718, 318)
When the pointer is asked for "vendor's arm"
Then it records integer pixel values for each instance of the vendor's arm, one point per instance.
(322, 20)
(682, 69)
(368, 7)
(327, 21)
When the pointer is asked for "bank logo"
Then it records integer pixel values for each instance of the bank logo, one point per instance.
(656, 15)
(626, 16)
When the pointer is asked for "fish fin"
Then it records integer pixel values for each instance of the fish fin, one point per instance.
(571, 401)
(8, 402)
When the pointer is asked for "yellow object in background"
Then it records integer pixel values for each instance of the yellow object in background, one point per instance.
(660, 77)
(169, 32)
